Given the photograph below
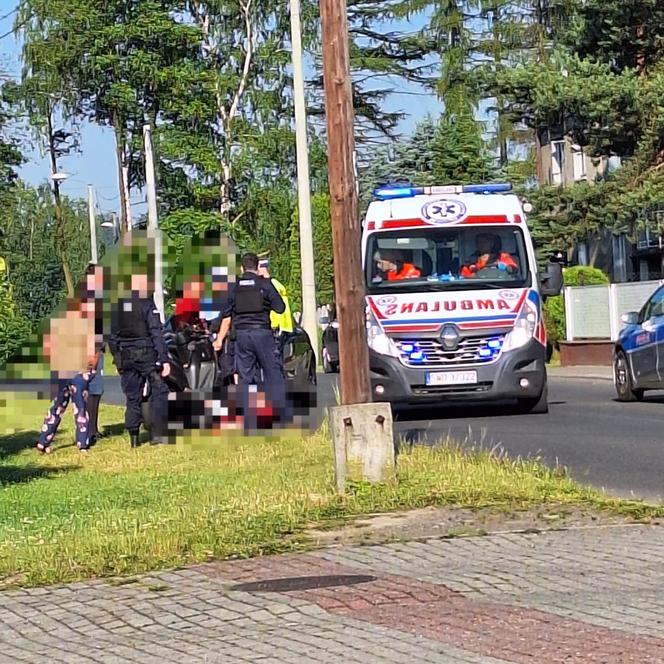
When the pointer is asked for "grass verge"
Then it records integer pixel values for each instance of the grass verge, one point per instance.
(66, 517)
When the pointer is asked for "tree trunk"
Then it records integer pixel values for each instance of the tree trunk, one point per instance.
(120, 158)
(641, 65)
(225, 188)
(60, 247)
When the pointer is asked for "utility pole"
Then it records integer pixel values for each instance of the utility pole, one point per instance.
(94, 257)
(346, 230)
(309, 318)
(153, 226)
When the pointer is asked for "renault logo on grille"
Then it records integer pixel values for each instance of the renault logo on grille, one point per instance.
(450, 337)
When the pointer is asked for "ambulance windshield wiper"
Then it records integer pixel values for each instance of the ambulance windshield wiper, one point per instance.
(462, 284)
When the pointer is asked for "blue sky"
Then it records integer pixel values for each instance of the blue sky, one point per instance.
(96, 164)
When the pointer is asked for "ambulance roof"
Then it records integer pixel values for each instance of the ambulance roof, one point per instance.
(443, 207)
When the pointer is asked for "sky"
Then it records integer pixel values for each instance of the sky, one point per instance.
(96, 163)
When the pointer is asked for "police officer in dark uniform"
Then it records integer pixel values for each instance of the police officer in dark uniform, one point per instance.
(139, 351)
(249, 303)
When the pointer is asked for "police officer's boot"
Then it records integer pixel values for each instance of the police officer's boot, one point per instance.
(133, 437)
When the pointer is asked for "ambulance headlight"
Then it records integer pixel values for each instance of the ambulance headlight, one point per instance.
(524, 328)
(377, 340)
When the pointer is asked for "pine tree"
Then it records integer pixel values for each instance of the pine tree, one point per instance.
(460, 154)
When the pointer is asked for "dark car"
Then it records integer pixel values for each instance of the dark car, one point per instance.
(638, 363)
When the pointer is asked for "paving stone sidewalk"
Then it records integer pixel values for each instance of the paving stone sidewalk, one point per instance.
(578, 596)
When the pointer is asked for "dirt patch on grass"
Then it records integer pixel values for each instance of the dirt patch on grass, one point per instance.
(434, 522)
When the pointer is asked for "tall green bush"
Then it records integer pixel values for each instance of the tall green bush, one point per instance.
(554, 307)
(323, 257)
(14, 327)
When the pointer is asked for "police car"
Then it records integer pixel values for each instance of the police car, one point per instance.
(639, 351)
(454, 296)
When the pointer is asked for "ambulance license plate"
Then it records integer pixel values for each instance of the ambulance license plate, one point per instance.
(452, 378)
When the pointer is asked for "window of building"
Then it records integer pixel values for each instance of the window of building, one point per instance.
(557, 162)
(579, 163)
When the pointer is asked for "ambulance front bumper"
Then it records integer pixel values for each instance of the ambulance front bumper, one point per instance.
(517, 374)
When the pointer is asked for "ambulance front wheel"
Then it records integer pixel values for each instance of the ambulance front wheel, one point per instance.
(536, 405)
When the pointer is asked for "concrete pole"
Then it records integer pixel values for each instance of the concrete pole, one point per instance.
(129, 224)
(153, 226)
(94, 257)
(309, 316)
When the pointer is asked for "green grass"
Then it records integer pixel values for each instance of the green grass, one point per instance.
(118, 512)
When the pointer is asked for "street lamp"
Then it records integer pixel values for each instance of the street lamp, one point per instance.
(112, 223)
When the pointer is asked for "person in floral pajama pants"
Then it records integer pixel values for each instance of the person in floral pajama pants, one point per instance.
(69, 389)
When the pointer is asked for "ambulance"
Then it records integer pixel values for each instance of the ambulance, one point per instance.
(454, 297)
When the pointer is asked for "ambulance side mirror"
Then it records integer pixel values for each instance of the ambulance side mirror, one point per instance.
(551, 281)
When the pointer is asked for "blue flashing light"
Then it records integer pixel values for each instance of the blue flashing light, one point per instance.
(417, 356)
(485, 352)
(407, 348)
(499, 188)
(397, 191)
(495, 343)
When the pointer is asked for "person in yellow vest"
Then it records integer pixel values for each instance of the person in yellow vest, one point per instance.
(281, 323)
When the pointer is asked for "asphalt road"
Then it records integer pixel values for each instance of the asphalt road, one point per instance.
(614, 446)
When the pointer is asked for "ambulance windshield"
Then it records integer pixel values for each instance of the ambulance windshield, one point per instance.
(447, 258)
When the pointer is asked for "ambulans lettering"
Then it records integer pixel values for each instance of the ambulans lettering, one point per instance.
(439, 306)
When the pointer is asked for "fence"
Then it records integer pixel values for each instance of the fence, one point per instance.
(593, 312)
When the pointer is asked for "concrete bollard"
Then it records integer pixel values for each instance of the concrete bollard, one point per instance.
(363, 443)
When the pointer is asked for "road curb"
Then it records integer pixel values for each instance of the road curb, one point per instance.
(575, 373)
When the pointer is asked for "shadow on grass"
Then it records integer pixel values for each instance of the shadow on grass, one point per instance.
(17, 442)
(21, 474)
(116, 429)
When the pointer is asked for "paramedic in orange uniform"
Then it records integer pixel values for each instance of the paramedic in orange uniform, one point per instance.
(489, 254)
(391, 264)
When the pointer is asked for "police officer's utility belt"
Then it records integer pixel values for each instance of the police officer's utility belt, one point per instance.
(251, 327)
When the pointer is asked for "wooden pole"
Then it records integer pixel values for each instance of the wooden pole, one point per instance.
(346, 230)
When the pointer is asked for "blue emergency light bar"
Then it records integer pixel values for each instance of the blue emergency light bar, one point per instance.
(390, 192)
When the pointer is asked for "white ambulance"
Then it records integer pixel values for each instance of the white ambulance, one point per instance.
(454, 297)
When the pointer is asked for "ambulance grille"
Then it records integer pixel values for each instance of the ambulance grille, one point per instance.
(431, 353)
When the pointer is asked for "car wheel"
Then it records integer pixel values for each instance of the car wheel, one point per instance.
(536, 405)
(622, 379)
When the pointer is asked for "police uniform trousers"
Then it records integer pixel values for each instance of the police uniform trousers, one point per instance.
(139, 365)
(254, 350)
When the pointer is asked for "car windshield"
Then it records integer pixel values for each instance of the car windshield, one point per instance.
(443, 258)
